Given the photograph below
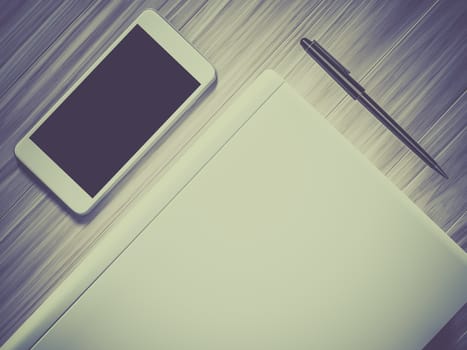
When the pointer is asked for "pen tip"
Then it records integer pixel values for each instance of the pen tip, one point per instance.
(440, 171)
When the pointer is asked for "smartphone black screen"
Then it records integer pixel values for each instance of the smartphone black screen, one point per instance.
(114, 111)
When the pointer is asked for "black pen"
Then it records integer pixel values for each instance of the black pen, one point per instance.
(342, 76)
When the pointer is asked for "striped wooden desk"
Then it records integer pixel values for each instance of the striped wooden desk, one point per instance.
(411, 55)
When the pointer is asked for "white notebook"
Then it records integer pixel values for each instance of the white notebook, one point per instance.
(271, 232)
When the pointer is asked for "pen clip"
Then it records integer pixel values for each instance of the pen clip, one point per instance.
(330, 58)
(333, 67)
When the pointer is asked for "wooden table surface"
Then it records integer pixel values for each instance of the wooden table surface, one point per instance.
(411, 55)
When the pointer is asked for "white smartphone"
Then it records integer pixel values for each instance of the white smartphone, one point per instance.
(115, 112)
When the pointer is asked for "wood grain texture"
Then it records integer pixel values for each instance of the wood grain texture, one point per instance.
(411, 55)
(418, 82)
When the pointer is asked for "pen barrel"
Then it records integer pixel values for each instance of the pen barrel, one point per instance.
(395, 128)
(342, 76)
(338, 72)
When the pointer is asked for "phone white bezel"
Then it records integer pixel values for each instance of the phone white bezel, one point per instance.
(61, 183)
